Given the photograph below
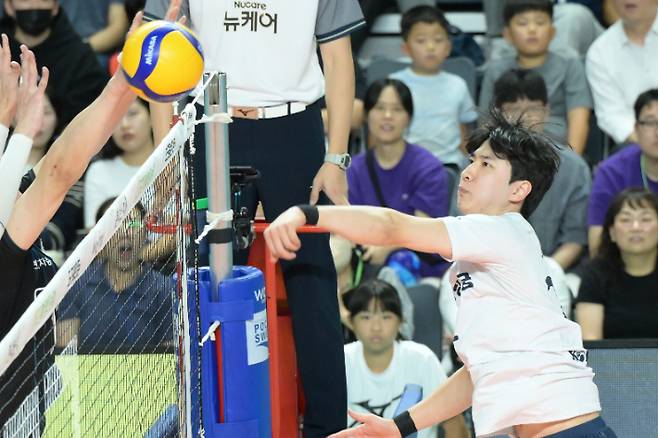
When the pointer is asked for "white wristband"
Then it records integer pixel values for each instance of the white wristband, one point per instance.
(12, 165)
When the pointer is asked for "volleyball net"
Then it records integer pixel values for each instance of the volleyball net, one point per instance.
(104, 349)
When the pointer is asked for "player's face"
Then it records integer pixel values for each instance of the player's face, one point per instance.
(533, 113)
(134, 132)
(377, 329)
(428, 45)
(388, 119)
(484, 186)
(635, 10)
(635, 230)
(646, 129)
(530, 32)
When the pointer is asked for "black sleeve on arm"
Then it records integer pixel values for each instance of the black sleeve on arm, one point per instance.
(12, 264)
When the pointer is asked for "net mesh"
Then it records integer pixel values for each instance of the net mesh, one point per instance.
(112, 359)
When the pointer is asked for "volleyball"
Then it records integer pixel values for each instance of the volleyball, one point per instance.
(162, 61)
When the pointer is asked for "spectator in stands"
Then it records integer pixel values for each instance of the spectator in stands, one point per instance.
(131, 145)
(76, 76)
(529, 28)
(120, 300)
(634, 166)
(380, 366)
(101, 24)
(618, 294)
(621, 64)
(373, 8)
(394, 173)
(575, 28)
(443, 104)
(560, 218)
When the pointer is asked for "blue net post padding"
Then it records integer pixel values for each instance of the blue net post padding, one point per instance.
(244, 376)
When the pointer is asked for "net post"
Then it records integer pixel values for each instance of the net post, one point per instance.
(218, 174)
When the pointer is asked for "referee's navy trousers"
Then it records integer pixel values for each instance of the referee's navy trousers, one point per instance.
(288, 151)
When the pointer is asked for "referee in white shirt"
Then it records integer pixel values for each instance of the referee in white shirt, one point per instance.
(268, 51)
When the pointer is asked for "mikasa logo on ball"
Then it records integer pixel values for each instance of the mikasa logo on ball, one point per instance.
(149, 53)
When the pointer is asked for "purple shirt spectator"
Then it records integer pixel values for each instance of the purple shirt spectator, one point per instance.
(621, 171)
(418, 182)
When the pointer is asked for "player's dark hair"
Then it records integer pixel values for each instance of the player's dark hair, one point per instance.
(645, 99)
(533, 156)
(514, 7)
(375, 90)
(358, 299)
(517, 84)
(609, 256)
(422, 14)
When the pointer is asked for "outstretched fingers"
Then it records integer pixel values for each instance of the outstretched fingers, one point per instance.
(173, 11)
(43, 82)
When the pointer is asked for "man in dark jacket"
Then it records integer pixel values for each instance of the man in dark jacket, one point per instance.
(76, 76)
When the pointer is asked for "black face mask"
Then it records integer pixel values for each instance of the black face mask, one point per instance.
(34, 21)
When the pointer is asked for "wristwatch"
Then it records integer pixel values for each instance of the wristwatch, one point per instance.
(341, 160)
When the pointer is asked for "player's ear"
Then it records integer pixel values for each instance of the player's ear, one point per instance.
(520, 190)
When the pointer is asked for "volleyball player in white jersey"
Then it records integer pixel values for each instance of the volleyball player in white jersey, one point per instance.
(525, 370)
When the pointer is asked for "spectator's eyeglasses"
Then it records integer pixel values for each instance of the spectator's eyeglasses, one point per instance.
(648, 125)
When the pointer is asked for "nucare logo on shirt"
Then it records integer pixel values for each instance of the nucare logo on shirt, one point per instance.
(251, 15)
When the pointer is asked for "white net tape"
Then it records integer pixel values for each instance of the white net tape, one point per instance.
(44, 305)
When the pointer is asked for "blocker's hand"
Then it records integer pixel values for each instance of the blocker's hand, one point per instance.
(281, 236)
(29, 112)
(372, 427)
(9, 73)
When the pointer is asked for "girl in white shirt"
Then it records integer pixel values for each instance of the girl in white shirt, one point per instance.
(379, 365)
(525, 370)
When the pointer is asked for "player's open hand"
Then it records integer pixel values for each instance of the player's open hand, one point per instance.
(9, 73)
(281, 236)
(173, 11)
(372, 427)
(31, 89)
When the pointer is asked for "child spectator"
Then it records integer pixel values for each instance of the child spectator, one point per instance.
(442, 100)
(379, 366)
(394, 173)
(576, 27)
(621, 64)
(618, 294)
(132, 144)
(560, 218)
(633, 166)
(529, 28)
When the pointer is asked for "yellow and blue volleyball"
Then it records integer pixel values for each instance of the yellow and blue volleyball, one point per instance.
(162, 61)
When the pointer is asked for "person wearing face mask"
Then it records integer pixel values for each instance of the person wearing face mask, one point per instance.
(76, 76)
